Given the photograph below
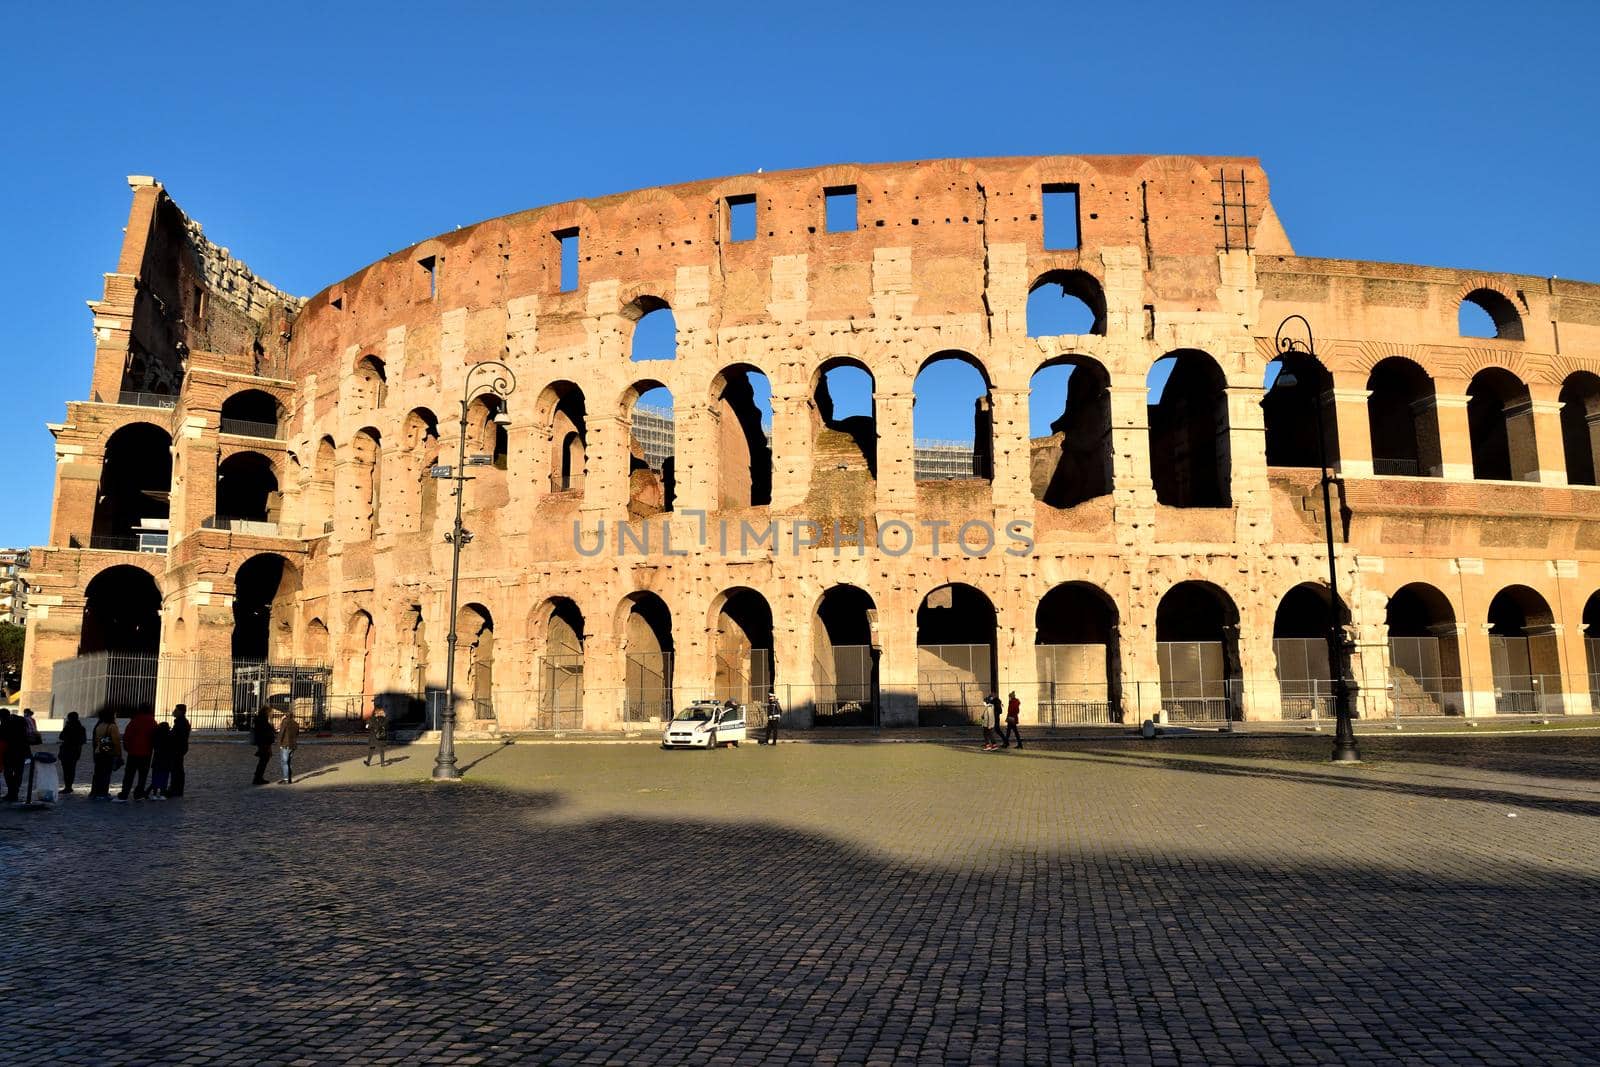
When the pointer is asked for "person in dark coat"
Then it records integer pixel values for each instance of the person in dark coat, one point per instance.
(288, 741)
(138, 745)
(71, 744)
(161, 761)
(179, 744)
(774, 717)
(106, 748)
(377, 733)
(14, 732)
(263, 735)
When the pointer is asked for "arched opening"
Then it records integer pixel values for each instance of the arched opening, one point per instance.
(1523, 653)
(1403, 417)
(844, 427)
(565, 421)
(487, 431)
(652, 440)
(1299, 398)
(844, 659)
(315, 647)
(646, 626)
(742, 400)
(366, 484)
(251, 413)
(741, 643)
(424, 701)
(956, 661)
(419, 437)
(1191, 461)
(558, 630)
(1591, 647)
(952, 419)
(1486, 313)
(1069, 431)
(370, 384)
(130, 508)
(655, 330)
(247, 493)
(263, 609)
(1580, 427)
(1066, 302)
(1197, 647)
(1300, 648)
(1500, 423)
(319, 502)
(1077, 655)
(358, 659)
(121, 613)
(1424, 652)
(475, 660)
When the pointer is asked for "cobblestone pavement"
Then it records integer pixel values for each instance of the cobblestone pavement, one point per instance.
(1227, 900)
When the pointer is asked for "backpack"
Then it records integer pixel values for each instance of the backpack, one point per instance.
(103, 745)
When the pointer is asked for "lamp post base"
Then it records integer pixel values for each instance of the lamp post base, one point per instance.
(1345, 754)
(443, 772)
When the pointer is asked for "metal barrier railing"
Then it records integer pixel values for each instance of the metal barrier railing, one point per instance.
(246, 428)
(147, 400)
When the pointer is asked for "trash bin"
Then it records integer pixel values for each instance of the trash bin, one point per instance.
(44, 779)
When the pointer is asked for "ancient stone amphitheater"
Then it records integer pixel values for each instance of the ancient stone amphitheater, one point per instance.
(248, 509)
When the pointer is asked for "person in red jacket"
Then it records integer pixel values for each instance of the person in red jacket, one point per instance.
(138, 742)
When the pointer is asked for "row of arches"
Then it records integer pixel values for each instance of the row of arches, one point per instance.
(1078, 648)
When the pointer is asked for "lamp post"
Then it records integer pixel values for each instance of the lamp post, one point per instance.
(496, 380)
(1344, 737)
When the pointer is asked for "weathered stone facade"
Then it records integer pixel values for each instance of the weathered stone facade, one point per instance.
(1174, 255)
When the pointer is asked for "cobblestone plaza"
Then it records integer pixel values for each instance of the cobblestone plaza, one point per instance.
(1218, 900)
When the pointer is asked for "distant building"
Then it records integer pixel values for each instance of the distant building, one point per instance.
(13, 588)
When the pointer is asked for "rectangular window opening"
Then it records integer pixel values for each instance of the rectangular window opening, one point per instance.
(1061, 216)
(429, 267)
(568, 240)
(841, 208)
(742, 218)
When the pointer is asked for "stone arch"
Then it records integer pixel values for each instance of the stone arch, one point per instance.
(315, 647)
(360, 638)
(251, 413)
(844, 658)
(319, 507)
(1070, 456)
(561, 415)
(1197, 648)
(556, 629)
(1500, 424)
(370, 383)
(247, 490)
(1078, 654)
(418, 489)
(844, 443)
(1403, 419)
(121, 612)
(655, 329)
(475, 655)
(1425, 675)
(1191, 459)
(944, 458)
(644, 623)
(1079, 291)
(743, 452)
(1298, 400)
(365, 494)
(1580, 427)
(1591, 646)
(1300, 650)
(1500, 308)
(649, 411)
(135, 486)
(1524, 653)
(264, 596)
(740, 625)
(956, 654)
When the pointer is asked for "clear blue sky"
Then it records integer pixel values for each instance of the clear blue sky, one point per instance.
(313, 140)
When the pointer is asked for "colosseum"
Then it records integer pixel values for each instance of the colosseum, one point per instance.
(252, 503)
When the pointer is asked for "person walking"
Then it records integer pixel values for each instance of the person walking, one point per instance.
(138, 744)
(774, 716)
(377, 733)
(263, 735)
(160, 761)
(1013, 712)
(180, 748)
(32, 727)
(70, 749)
(288, 739)
(106, 749)
(991, 735)
(14, 734)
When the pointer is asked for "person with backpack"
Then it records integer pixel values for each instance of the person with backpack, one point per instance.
(288, 740)
(377, 733)
(262, 735)
(107, 750)
(70, 749)
(1013, 712)
(179, 744)
(138, 745)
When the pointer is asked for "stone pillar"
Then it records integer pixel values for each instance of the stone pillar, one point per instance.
(605, 487)
(696, 464)
(1140, 676)
(1133, 493)
(1247, 451)
(1455, 436)
(897, 666)
(791, 451)
(1258, 668)
(1352, 425)
(1550, 463)
(1574, 654)
(897, 484)
(1369, 663)
(1014, 651)
(1012, 489)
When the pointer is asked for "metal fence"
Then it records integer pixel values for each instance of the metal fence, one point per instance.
(151, 541)
(952, 681)
(647, 696)
(1075, 704)
(246, 428)
(221, 693)
(147, 400)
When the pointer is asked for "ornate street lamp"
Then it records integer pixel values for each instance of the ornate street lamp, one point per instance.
(1344, 737)
(497, 380)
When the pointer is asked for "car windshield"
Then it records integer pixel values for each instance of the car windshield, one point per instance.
(697, 713)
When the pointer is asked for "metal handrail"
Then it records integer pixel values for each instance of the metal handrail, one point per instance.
(147, 400)
(245, 428)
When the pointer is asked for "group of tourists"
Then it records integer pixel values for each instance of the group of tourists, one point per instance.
(286, 735)
(150, 754)
(994, 737)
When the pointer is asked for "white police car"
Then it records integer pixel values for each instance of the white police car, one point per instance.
(705, 724)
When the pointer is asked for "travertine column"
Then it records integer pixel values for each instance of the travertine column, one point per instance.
(1133, 492)
(897, 668)
(1351, 424)
(1574, 654)
(1247, 452)
(1550, 465)
(1455, 436)
(1258, 668)
(897, 485)
(1012, 490)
